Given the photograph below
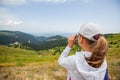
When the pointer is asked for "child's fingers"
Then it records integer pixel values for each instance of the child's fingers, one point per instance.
(73, 37)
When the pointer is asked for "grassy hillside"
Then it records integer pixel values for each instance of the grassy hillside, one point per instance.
(113, 60)
(113, 40)
(21, 64)
(15, 56)
(44, 63)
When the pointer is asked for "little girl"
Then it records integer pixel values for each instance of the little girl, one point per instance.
(90, 63)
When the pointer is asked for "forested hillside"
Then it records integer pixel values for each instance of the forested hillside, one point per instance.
(28, 41)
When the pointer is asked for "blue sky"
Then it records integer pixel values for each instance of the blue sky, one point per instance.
(45, 16)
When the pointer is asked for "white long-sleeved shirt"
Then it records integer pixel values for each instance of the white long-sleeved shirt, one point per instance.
(78, 68)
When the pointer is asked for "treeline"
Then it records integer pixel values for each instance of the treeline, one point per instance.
(47, 44)
(44, 45)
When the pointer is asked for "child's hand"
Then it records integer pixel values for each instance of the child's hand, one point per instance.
(71, 40)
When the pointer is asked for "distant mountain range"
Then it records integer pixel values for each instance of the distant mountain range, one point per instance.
(29, 41)
(49, 34)
(32, 41)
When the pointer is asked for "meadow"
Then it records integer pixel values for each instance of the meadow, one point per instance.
(22, 64)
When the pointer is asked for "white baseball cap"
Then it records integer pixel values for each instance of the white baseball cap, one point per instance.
(90, 31)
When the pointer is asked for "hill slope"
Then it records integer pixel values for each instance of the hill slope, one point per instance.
(18, 57)
(7, 37)
(113, 40)
(29, 41)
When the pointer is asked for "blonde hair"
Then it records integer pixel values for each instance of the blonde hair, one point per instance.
(99, 49)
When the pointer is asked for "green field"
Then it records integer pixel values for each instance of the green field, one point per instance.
(26, 64)
(21, 64)
(17, 64)
(20, 57)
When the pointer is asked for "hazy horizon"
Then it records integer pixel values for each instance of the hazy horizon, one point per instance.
(49, 34)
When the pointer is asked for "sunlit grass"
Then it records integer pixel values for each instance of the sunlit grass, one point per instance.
(42, 71)
(42, 65)
(113, 59)
(20, 64)
(21, 57)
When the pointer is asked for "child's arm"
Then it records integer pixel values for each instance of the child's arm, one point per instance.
(65, 60)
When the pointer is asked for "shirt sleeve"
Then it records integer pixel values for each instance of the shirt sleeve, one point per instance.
(65, 60)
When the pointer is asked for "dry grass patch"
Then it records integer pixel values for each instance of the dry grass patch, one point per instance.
(46, 71)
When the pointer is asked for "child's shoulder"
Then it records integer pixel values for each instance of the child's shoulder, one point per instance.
(84, 53)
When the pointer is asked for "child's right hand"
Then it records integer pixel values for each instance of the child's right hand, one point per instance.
(71, 40)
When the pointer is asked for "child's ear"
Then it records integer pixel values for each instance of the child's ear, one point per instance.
(81, 39)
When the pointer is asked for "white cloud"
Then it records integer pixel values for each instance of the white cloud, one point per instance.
(52, 1)
(87, 1)
(21, 2)
(12, 2)
(62, 1)
(13, 23)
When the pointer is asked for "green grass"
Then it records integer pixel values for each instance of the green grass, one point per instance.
(47, 62)
(114, 40)
(15, 56)
(21, 64)
(113, 59)
(113, 37)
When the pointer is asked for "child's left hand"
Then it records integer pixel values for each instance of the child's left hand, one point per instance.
(71, 40)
